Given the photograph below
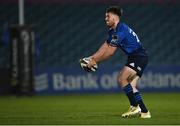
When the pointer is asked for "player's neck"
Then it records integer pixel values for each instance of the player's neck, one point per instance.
(115, 24)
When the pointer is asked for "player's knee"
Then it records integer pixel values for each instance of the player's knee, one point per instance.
(122, 81)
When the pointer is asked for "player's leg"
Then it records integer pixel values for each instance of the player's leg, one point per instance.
(134, 83)
(133, 71)
(123, 80)
(125, 76)
(144, 111)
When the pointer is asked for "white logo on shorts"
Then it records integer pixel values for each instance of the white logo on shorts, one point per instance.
(139, 68)
(131, 64)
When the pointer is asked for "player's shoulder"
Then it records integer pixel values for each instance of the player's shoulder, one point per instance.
(122, 27)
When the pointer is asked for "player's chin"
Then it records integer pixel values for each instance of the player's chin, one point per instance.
(108, 24)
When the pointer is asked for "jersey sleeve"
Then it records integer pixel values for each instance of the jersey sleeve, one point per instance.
(108, 40)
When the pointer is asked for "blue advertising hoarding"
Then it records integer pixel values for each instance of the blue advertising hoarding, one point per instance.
(75, 80)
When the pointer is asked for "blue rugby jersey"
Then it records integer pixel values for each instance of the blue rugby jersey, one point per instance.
(126, 39)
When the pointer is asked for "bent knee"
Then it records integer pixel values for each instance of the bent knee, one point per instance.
(125, 80)
(122, 81)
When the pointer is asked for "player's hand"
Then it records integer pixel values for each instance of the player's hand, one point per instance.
(88, 64)
(91, 63)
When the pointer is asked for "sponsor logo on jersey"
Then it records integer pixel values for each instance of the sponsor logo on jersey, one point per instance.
(114, 39)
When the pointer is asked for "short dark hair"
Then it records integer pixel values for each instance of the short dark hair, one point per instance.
(115, 10)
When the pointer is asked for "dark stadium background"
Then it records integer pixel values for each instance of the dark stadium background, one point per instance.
(66, 30)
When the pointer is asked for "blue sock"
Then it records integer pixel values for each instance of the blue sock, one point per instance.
(139, 100)
(129, 92)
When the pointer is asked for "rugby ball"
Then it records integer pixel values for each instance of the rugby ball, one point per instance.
(84, 62)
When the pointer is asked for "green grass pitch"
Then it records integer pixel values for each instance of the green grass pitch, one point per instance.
(84, 109)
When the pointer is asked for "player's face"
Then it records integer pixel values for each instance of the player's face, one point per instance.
(109, 18)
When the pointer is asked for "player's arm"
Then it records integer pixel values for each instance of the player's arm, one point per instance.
(104, 52)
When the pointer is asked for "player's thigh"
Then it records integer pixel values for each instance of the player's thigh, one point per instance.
(126, 75)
